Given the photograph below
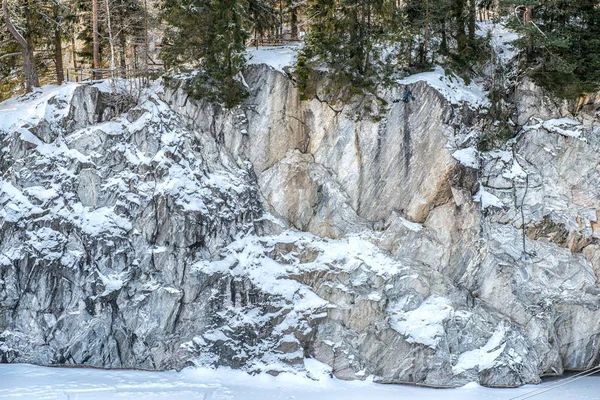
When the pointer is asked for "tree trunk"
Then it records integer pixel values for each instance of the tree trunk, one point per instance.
(58, 56)
(528, 18)
(146, 39)
(29, 68)
(472, 20)
(294, 23)
(122, 55)
(461, 35)
(97, 74)
(111, 41)
(426, 42)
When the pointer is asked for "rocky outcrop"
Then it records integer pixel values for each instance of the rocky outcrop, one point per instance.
(286, 229)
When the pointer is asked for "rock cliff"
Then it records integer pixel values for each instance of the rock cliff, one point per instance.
(374, 238)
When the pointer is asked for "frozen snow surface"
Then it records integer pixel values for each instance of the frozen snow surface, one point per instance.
(467, 157)
(277, 57)
(563, 126)
(452, 87)
(21, 381)
(425, 324)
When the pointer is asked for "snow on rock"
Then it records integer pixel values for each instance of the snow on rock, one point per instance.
(487, 199)
(515, 171)
(158, 239)
(15, 203)
(468, 157)
(112, 282)
(277, 57)
(452, 87)
(44, 104)
(424, 324)
(483, 357)
(564, 126)
(502, 39)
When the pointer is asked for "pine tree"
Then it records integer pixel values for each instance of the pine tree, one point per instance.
(25, 39)
(129, 20)
(263, 17)
(560, 43)
(208, 35)
(346, 37)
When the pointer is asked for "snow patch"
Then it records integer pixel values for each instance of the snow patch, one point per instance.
(515, 172)
(483, 357)
(501, 39)
(564, 126)
(487, 199)
(112, 282)
(45, 103)
(453, 88)
(467, 157)
(276, 57)
(425, 324)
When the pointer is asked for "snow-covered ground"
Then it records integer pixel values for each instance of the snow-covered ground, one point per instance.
(20, 381)
(452, 87)
(277, 57)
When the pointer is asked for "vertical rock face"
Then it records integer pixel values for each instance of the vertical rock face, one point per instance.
(179, 233)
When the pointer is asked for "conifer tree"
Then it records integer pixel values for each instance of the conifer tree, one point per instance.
(25, 38)
(560, 43)
(263, 17)
(208, 35)
(346, 37)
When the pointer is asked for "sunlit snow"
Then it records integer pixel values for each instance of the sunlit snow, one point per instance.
(27, 382)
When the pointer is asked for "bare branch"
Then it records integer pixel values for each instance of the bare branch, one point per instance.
(10, 55)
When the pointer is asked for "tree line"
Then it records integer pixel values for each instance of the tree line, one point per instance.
(98, 34)
(356, 44)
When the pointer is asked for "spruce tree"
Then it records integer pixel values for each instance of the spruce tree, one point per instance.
(346, 37)
(21, 22)
(263, 18)
(210, 36)
(560, 43)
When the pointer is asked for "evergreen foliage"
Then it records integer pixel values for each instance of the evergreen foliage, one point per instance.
(209, 35)
(560, 43)
(347, 38)
(363, 42)
(350, 46)
(263, 17)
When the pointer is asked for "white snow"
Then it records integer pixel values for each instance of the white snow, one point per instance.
(452, 87)
(17, 206)
(515, 172)
(33, 107)
(502, 155)
(277, 57)
(413, 226)
(28, 382)
(424, 324)
(112, 282)
(467, 157)
(483, 357)
(564, 126)
(487, 199)
(501, 39)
